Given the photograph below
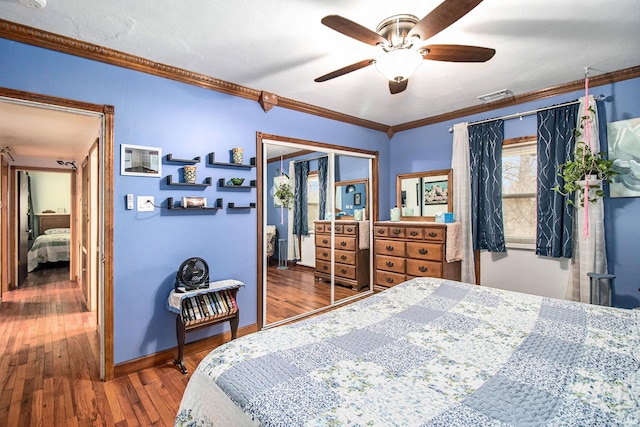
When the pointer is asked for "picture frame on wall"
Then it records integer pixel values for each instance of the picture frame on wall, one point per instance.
(139, 160)
(357, 199)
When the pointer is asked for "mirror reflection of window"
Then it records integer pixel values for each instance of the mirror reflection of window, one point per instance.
(313, 199)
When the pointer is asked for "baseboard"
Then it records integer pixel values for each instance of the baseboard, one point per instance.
(168, 355)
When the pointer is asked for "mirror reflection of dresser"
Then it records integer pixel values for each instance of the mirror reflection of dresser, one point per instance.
(422, 195)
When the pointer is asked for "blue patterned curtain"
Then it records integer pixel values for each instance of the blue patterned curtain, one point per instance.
(323, 167)
(300, 220)
(556, 142)
(485, 147)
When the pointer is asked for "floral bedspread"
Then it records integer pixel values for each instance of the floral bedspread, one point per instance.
(431, 352)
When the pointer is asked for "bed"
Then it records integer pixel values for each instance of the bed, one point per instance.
(428, 352)
(53, 244)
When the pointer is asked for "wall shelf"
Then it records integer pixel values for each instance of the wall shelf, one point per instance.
(232, 205)
(216, 206)
(211, 161)
(206, 183)
(222, 183)
(193, 161)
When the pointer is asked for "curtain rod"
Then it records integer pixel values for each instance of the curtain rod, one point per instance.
(528, 113)
(311, 158)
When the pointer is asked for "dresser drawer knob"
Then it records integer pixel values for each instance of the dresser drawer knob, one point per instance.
(423, 251)
(343, 243)
(389, 280)
(349, 229)
(325, 268)
(343, 271)
(380, 231)
(397, 231)
(325, 241)
(389, 264)
(325, 254)
(343, 257)
(432, 234)
(414, 233)
(423, 269)
(390, 248)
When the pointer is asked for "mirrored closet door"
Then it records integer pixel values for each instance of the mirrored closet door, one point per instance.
(316, 215)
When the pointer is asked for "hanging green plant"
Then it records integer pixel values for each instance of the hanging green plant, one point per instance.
(586, 165)
(284, 195)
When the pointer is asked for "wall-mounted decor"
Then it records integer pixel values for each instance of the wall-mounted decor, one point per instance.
(624, 150)
(357, 199)
(137, 160)
(436, 192)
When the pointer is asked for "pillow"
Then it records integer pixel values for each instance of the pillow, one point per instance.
(58, 231)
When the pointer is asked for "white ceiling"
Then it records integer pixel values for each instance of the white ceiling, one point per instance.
(280, 46)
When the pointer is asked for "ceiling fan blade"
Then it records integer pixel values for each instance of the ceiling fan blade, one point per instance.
(442, 16)
(458, 53)
(397, 87)
(353, 30)
(344, 70)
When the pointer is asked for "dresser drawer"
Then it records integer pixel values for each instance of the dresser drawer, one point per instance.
(390, 247)
(390, 263)
(323, 267)
(396, 232)
(416, 233)
(323, 254)
(345, 257)
(385, 278)
(319, 228)
(423, 268)
(323, 240)
(345, 271)
(435, 234)
(423, 250)
(350, 229)
(379, 231)
(345, 243)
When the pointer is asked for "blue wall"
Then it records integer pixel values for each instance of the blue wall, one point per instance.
(430, 148)
(185, 121)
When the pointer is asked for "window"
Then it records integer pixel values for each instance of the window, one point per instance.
(519, 193)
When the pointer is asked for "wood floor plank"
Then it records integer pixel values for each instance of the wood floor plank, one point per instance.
(50, 349)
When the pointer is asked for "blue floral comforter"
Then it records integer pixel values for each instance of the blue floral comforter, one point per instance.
(430, 352)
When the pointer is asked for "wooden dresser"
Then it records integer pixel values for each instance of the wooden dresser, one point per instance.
(351, 260)
(404, 250)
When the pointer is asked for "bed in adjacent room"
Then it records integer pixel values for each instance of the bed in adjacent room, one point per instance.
(54, 242)
(429, 352)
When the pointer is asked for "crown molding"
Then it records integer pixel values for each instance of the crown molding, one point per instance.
(603, 79)
(44, 39)
(40, 38)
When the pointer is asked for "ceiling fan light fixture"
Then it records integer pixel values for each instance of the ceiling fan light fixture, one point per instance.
(398, 65)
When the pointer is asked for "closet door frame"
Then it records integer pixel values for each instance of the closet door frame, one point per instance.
(262, 196)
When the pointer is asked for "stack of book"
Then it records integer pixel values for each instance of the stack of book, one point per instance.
(207, 306)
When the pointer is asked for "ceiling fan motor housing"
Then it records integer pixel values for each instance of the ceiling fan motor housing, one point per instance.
(395, 29)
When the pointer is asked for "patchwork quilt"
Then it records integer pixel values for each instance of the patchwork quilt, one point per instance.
(429, 352)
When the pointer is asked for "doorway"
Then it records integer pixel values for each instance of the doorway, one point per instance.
(24, 151)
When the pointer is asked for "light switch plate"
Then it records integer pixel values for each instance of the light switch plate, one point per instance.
(145, 204)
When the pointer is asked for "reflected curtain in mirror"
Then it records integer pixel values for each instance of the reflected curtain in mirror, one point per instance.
(300, 224)
(323, 166)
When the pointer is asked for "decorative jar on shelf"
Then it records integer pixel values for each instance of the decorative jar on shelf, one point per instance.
(237, 155)
(190, 174)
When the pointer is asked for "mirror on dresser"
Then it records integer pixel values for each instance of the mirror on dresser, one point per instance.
(307, 272)
(352, 199)
(422, 195)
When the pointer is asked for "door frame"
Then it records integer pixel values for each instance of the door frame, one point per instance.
(106, 161)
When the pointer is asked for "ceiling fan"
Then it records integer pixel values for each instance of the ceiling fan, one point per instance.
(400, 38)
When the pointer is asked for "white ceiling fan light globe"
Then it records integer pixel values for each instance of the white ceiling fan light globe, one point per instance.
(34, 4)
(398, 65)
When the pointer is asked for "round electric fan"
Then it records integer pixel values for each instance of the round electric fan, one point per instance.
(192, 274)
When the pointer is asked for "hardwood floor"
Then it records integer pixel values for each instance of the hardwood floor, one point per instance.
(49, 357)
